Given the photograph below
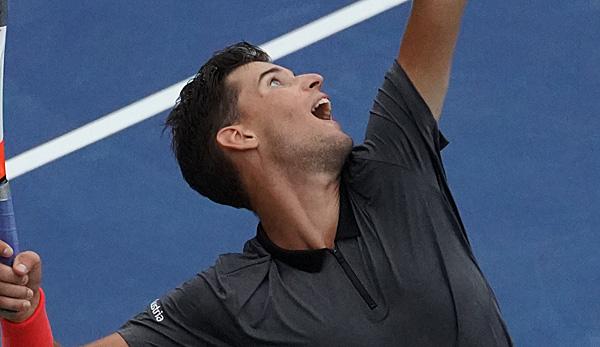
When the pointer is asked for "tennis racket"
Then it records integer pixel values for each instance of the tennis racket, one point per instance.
(8, 229)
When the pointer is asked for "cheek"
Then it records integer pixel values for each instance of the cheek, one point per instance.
(286, 132)
(286, 123)
(285, 101)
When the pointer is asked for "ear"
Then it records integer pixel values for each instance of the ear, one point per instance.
(236, 137)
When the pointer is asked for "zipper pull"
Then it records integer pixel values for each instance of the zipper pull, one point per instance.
(338, 255)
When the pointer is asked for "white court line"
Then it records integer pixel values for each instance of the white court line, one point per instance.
(165, 99)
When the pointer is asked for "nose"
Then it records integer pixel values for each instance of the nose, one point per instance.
(311, 81)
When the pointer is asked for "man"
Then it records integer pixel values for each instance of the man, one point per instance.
(358, 246)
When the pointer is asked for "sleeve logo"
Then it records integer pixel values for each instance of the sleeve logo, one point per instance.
(156, 310)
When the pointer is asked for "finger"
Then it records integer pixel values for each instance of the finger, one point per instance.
(15, 291)
(5, 250)
(11, 304)
(26, 262)
(8, 275)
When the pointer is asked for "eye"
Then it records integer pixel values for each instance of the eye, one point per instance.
(275, 83)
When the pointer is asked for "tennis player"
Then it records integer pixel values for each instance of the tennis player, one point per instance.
(356, 246)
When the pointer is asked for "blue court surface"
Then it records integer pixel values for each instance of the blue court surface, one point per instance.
(117, 226)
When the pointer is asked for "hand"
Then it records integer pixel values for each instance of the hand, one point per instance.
(19, 284)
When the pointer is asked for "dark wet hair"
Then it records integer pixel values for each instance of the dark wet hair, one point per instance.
(205, 105)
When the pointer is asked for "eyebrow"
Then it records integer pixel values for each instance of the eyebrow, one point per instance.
(271, 70)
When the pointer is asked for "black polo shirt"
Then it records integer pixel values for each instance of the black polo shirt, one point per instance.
(402, 272)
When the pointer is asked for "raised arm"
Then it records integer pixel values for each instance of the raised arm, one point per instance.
(428, 46)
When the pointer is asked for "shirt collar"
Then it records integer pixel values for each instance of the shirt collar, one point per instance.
(311, 260)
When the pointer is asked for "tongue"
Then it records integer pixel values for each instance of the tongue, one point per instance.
(321, 113)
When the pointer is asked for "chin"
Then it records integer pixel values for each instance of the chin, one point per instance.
(322, 152)
(334, 154)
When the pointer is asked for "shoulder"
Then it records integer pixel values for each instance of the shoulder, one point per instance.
(252, 256)
(205, 307)
(235, 276)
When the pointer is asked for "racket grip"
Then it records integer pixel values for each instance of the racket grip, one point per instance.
(8, 227)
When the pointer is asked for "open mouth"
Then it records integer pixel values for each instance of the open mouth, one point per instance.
(322, 109)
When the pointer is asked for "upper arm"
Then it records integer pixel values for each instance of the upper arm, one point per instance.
(428, 46)
(191, 314)
(113, 340)
(401, 129)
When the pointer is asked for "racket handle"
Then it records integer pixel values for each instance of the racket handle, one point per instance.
(8, 227)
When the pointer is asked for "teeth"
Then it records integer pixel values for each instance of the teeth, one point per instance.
(322, 109)
(319, 103)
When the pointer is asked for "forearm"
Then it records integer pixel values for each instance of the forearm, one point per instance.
(442, 12)
(34, 330)
(428, 47)
(24, 321)
(436, 24)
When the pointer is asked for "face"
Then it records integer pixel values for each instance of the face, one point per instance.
(291, 117)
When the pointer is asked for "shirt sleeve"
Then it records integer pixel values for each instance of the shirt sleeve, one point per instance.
(401, 129)
(190, 315)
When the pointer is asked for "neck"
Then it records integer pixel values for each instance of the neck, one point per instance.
(297, 213)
